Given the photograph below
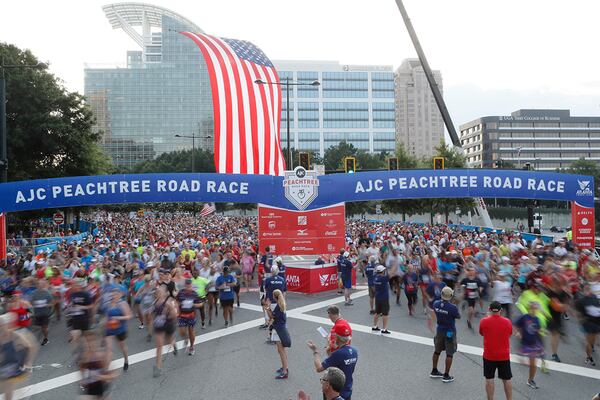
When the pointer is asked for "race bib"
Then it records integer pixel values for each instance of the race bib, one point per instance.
(187, 304)
(160, 321)
(40, 303)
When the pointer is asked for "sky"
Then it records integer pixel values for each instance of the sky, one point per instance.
(495, 56)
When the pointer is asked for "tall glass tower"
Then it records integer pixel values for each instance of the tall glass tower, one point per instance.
(163, 91)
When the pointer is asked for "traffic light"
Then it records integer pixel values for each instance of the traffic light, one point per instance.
(350, 165)
(438, 162)
(392, 163)
(304, 160)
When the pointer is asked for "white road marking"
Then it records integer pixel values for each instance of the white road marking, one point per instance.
(463, 348)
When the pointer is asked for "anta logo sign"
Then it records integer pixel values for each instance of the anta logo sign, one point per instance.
(292, 280)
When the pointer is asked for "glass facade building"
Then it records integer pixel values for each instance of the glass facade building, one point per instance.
(353, 103)
(163, 91)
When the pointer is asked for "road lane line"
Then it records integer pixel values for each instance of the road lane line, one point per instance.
(463, 348)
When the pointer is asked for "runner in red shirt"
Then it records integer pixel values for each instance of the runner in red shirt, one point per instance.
(496, 331)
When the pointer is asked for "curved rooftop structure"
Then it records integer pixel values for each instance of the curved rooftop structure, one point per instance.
(129, 15)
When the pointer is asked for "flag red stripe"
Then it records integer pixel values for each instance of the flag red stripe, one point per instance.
(215, 97)
(254, 124)
(265, 116)
(228, 110)
(240, 110)
(269, 161)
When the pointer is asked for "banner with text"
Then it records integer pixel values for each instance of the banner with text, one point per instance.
(583, 229)
(300, 189)
(320, 231)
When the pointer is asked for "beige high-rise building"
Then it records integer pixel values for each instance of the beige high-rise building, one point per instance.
(419, 124)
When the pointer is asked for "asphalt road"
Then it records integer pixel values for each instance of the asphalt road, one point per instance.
(235, 363)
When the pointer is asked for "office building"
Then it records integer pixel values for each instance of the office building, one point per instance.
(162, 91)
(419, 124)
(354, 103)
(546, 139)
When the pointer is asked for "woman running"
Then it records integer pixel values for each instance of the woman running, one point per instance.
(147, 298)
(531, 340)
(164, 321)
(188, 301)
(279, 334)
(248, 261)
(410, 281)
(213, 294)
(56, 288)
(94, 370)
(117, 314)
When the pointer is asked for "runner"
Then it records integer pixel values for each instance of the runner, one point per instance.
(445, 337)
(213, 294)
(94, 370)
(189, 301)
(410, 281)
(588, 307)
(532, 346)
(345, 268)
(280, 334)
(79, 311)
(147, 298)
(17, 351)
(472, 290)
(558, 305)
(503, 292)
(199, 284)
(434, 292)
(117, 314)
(42, 302)
(225, 284)
(382, 299)
(370, 274)
(165, 314)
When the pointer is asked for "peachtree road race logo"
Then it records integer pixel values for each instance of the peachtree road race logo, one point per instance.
(301, 187)
(328, 279)
(584, 188)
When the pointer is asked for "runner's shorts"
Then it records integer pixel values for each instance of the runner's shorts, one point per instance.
(281, 335)
(184, 322)
(503, 367)
(443, 343)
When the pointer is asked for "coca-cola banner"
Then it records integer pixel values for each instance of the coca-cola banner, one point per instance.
(583, 225)
(309, 232)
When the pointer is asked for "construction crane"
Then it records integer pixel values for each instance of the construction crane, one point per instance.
(441, 104)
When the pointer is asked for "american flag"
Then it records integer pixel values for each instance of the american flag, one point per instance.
(207, 209)
(246, 114)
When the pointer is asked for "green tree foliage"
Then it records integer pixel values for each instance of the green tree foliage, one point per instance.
(178, 161)
(334, 155)
(49, 129)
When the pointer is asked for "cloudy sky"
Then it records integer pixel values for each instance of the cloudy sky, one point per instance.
(495, 56)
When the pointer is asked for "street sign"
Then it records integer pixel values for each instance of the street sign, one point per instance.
(58, 218)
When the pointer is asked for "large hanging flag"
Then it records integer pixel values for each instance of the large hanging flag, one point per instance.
(246, 114)
(207, 209)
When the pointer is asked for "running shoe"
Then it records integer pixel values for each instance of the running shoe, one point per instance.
(226, 324)
(531, 383)
(555, 358)
(282, 375)
(469, 325)
(156, 371)
(141, 326)
(385, 332)
(125, 366)
(202, 326)
(279, 371)
(148, 338)
(544, 367)
(263, 326)
(192, 351)
(375, 329)
(348, 304)
(590, 360)
(210, 322)
(435, 374)
(372, 312)
(565, 316)
(175, 349)
(45, 341)
(447, 378)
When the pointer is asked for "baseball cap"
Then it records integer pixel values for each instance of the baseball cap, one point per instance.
(279, 260)
(380, 268)
(342, 328)
(495, 306)
(447, 293)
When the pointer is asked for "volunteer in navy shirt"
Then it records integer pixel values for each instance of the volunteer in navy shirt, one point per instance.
(344, 358)
(272, 283)
(382, 298)
(445, 338)
(225, 285)
(370, 273)
(345, 270)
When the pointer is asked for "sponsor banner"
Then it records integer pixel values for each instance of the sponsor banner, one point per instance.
(288, 232)
(315, 279)
(298, 190)
(583, 228)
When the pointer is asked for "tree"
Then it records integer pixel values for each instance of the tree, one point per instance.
(405, 160)
(49, 129)
(178, 161)
(334, 155)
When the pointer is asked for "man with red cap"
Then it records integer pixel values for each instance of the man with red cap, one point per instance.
(343, 357)
(340, 327)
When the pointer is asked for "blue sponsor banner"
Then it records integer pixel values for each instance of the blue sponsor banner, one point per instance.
(269, 190)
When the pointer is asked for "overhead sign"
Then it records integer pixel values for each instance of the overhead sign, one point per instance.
(307, 192)
(320, 231)
(58, 218)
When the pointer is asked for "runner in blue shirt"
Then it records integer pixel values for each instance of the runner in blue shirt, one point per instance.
(345, 270)
(225, 284)
(445, 338)
(382, 299)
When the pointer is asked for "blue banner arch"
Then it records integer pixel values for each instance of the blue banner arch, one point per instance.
(270, 190)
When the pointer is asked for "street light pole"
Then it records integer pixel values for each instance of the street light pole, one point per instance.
(289, 150)
(3, 140)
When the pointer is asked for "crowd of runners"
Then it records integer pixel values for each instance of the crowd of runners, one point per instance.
(171, 275)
